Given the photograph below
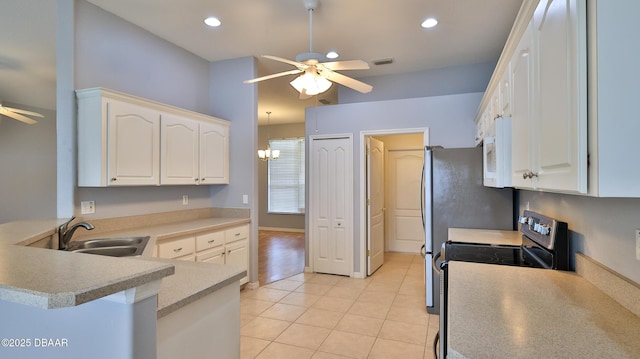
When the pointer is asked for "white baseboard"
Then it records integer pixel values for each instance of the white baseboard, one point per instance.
(294, 230)
(358, 275)
(253, 285)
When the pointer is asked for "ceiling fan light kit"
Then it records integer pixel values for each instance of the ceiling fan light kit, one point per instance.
(316, 75)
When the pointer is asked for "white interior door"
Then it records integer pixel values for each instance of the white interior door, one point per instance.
(331, 205)
(375, 204)
(404, 222)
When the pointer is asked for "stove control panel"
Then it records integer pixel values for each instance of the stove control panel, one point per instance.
(542, 229)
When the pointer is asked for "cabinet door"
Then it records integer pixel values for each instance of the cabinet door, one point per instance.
(211, 256)
(521, 130)
(505, 93)
(237, 254)
(214, 153)
(561, 128)
(133, 144)
(179, 150)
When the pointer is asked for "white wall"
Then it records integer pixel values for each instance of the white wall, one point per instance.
(27, 166)
(449, 119)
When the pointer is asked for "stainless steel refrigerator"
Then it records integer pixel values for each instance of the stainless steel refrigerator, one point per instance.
(455, 197)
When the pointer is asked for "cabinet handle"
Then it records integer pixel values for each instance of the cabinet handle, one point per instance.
(113, 179)
(529, 174)
(202, 179)
(195, 179)
(177, 249)
(211, 241)
(237, 234)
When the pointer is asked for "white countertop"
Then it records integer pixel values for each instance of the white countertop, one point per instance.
(516, 312)
(47, 278)
(485, 236)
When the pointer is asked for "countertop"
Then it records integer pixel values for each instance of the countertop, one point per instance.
(26, 232)
(48, 278)
(516, 312)
(167, 231)
(485, 236)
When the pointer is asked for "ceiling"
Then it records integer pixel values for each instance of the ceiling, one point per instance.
(469, 32)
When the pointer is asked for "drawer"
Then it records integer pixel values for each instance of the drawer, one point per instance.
(209, 240)
(177, 248)
(236, 233)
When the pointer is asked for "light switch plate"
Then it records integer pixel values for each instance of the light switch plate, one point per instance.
(87, 207)
(245, 199)
(185, 199)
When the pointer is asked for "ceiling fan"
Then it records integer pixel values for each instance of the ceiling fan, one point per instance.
(317, 75)
(19, 115)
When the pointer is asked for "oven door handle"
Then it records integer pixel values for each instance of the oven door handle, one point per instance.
(435, 266)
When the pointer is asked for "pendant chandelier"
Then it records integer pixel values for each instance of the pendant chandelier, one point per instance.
(268, 153)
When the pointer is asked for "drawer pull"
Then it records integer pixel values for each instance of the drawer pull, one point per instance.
(211, 241)
(237, 234)
(177, 249)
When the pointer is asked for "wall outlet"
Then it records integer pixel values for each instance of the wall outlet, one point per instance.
(245, 199)
(638, 244)
(87, 207)
(185, 199)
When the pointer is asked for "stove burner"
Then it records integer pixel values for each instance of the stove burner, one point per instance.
(482, 253)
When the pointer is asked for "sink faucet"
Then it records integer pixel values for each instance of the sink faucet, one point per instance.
(64, 233)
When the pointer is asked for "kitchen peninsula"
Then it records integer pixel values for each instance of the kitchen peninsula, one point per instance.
(106, 307)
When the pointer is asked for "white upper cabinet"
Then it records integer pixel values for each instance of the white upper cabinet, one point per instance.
(614, 75)
(561, 96)
(521, 112)
(214, 153)
(180, 150)
(128, 141)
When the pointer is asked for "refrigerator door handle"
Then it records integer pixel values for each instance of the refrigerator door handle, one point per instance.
(429, 279)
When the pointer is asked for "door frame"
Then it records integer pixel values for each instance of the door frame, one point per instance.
(362, 269)
(309, 221)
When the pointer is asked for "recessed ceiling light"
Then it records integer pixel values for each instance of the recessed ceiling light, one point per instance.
(332, 55)
(429, 23)
(212, 21)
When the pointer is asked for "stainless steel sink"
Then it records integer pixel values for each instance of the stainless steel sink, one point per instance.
(114, 247)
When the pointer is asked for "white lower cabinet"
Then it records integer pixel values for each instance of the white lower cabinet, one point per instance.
(230, 246)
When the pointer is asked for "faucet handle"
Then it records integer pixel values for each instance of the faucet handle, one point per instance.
(63, 227)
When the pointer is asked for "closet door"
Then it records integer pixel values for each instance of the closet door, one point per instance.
(331, 205)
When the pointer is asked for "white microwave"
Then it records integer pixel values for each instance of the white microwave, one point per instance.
(496, 158)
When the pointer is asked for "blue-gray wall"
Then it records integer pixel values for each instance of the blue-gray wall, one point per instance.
(113, 53)
(448, 118)
(436, 82)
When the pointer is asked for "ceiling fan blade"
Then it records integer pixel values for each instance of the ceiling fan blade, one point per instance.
(25, 112)
(279, 74)
(346, 65)
(299, 65)
(347, 81)
(16, 116)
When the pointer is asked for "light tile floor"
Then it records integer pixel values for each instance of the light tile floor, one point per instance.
(326, 316)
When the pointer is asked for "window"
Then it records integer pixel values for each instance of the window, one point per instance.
(286, 176)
